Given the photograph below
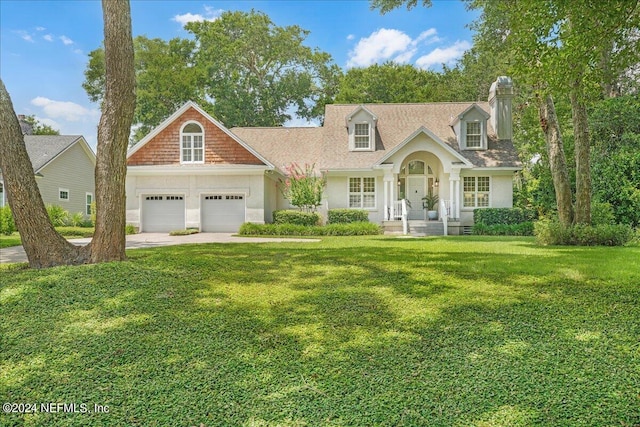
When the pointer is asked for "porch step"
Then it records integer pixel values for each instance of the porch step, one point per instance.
(416, 228)
(426, 228)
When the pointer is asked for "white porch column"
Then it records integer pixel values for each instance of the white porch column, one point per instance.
(455, 179)
(388, 192)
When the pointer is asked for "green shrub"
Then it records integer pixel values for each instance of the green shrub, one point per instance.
(296, 217)
(602, 214)
(351, 229)
(75, 231)
(92, 217)
(550, 232)
(345, 216)
(76, 219)
(7, 225)
(522, 229)
(58, 216)
(129, 229)
(494, 216)
(186, 232)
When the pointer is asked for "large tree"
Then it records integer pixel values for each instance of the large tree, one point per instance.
(118, 106)
(43, 245)
(166, 78)
(563, 48)
(242, 68)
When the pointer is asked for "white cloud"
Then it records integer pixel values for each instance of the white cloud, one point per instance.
(66, 40)
(389, 44)
(40, 28)
(210, 14)
(48, 37)
(25, 36)
(351, 37)
(447, 55)
(379, 46)
(65, 110)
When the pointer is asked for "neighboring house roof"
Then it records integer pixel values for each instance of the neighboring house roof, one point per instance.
(43, 149)
(327, 146)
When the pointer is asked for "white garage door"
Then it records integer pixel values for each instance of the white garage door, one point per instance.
(222, 212)
(162, 213)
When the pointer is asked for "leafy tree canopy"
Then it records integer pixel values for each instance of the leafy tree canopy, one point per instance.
(241, 68)
(39, 128)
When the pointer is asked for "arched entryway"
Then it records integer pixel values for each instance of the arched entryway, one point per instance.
(418, 177)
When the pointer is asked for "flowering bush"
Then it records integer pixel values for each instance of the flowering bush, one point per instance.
(303, 187)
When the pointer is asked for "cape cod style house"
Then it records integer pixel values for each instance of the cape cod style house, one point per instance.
(191, 171)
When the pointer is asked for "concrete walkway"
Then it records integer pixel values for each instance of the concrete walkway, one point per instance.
(150, 240)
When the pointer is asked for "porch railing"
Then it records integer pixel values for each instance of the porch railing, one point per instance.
(445, 212)
(399, 211)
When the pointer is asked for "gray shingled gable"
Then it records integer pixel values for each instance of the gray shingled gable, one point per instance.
(328, 147)
(44, 148)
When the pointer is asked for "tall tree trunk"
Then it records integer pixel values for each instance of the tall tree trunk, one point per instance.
(43, 245)
(557, 159)
(118, 106)
(582, 154)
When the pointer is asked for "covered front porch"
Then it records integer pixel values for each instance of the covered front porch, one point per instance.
(421, 195)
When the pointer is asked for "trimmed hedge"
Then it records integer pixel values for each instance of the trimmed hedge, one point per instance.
(495, 216)
(553, 233)
(351, 229)
(296, 217)
(522, 229)
(346, 216)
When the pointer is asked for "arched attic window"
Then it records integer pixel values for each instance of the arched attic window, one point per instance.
(192, 146)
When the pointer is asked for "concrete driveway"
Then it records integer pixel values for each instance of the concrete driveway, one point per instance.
(150, 240)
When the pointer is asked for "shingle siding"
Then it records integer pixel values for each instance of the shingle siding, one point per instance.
(220, 148)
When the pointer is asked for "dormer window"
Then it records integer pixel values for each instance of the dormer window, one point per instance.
(192, 145)
(474, 135)
(362, 139)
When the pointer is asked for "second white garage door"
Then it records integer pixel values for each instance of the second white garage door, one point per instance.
(222, 213)
(162, 213)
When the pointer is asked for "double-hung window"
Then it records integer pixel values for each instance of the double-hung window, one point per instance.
(476, 191)
(474, 135)
(192, 146)
(362, 139)
(88, 202)
(362, 193)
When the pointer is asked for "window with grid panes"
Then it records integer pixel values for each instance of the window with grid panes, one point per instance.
(362, 193)
(192, 144)
(474, 135)
(361, 136)
(476, 191)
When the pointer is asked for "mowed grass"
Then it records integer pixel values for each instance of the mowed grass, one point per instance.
(374, 331)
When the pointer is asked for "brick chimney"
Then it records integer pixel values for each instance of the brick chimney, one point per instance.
(500, 101)
(27, 128)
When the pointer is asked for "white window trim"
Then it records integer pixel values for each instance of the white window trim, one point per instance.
(368, 147)
(362, 193)
(182, 161)
(60, 190)
(2, 194)
(483, 135)
(475, 193)
(87, 207)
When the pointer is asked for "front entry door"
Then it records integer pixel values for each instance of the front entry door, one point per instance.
(416, 190)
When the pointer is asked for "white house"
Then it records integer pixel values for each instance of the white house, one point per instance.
(191, 171)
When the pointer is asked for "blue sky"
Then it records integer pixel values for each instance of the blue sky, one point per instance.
(44, 44)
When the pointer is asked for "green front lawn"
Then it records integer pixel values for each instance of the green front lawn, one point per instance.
(68, 232)
(366, 331)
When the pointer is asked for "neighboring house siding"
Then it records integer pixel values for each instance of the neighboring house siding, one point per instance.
(220, 148)
(71, 170)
